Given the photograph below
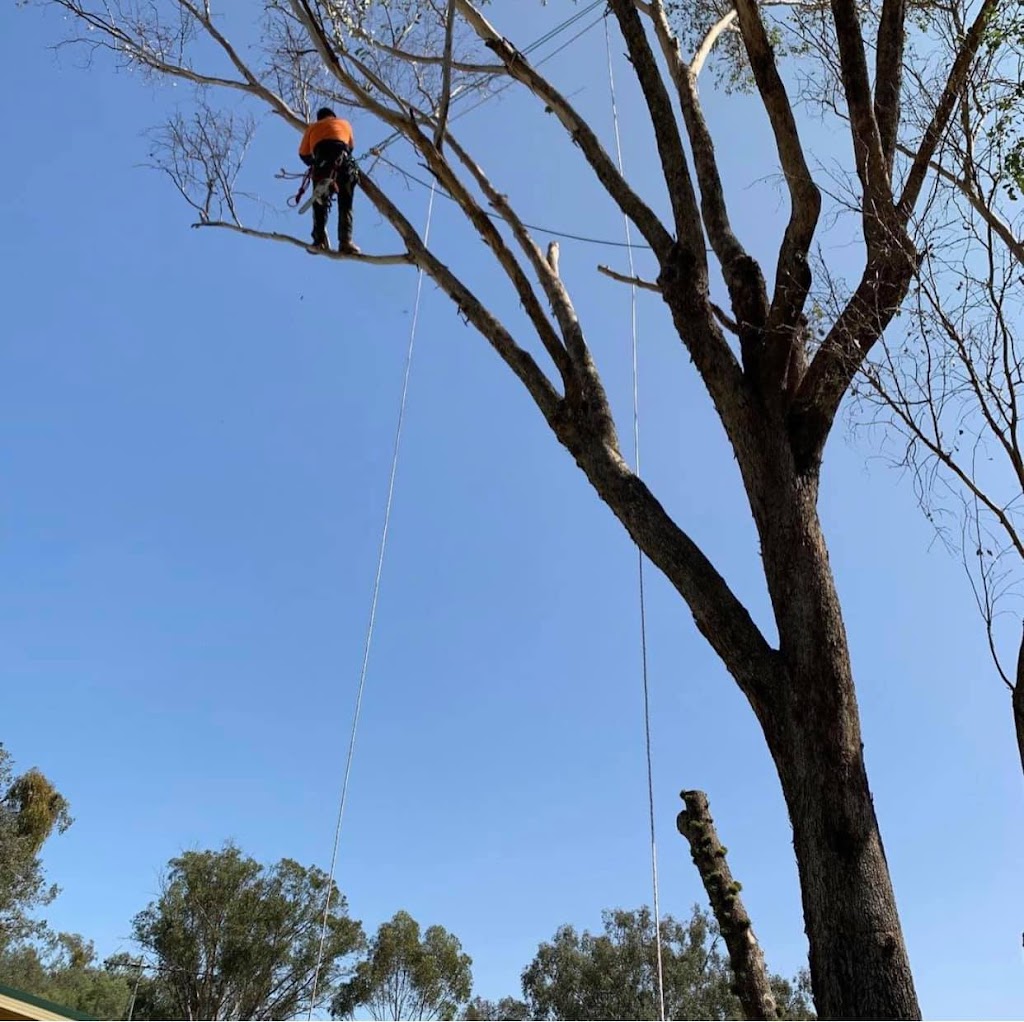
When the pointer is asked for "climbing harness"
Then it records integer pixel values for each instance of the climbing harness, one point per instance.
(640, 554)
(324, 189)
(373, 612)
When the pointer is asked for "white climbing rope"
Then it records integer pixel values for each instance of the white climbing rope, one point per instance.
(640, 555)
(373, 613)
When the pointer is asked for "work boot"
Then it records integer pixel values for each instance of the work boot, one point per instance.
(348, 247)
(320, 241)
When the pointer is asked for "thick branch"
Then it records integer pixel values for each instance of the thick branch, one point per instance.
(446, 76)
(877, 298)
(867, 143)
(944, 109)
(743, 276)
(889, 75)
(685, 210)
(547, 273)
(792, 275)
(518, 67)
(752, 985)
(491, 236)
(519, 361)
(718, 614)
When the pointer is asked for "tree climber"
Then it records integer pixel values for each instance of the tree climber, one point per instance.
(326, 147)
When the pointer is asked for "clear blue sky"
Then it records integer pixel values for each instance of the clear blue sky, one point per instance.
(195, 434)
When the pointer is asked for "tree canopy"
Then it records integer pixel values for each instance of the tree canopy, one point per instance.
(31, 809)
(232, 939)
(614, 974)
(408, 976)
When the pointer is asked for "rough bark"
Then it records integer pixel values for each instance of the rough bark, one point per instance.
(752, 985)
(859, 964)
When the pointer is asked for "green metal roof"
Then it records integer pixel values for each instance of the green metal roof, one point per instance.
(41, 1002)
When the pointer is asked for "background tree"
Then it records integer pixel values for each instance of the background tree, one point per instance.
(63, 969)
(232, 939)
(404, 976)
(775, 388)
(508, 1009)
(31, 809)
(950, 386)
(614, 974)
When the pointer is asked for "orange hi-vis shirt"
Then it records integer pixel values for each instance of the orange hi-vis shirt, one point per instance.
(330, 127)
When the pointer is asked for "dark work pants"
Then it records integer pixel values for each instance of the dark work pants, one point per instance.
(332, 157)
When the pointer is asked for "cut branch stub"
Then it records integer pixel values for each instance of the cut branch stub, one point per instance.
(752, 985)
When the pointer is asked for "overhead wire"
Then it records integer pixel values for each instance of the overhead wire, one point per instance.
(377, 151)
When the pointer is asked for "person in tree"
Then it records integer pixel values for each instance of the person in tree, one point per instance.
(326, 147)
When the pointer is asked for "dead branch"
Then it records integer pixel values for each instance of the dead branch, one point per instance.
(398, 259)
(752, 985)
(625, 278)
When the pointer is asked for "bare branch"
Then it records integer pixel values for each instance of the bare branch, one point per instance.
(557, 295)
(980, 206)
(877, 216)
(742, 274)
(689, 230)
(581, 133)
(624, 278)
(707, 44)
(519, 361)
(944, 109)
(399, 259)
(889, 75)
(446, 76)
(792, 275)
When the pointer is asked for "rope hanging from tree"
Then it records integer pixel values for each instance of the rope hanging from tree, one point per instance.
(373, 614)
(640, 556)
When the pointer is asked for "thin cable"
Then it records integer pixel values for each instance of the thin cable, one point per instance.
(478, 83)
(373, 612)
(533, 227)
(639, 552)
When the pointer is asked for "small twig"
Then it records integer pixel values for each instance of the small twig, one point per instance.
(403, 259)
(723, 317)
(624, 278)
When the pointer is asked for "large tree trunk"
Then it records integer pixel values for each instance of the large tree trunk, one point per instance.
(858, 958)
(803, 696)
